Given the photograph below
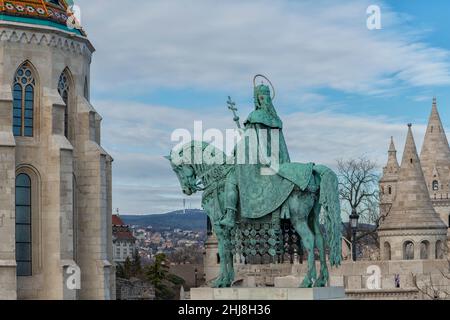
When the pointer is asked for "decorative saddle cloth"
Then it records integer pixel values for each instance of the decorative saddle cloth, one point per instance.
(261, 195)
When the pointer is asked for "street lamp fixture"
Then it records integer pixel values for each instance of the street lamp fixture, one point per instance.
(354, 217)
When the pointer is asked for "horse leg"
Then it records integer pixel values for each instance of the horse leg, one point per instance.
(229, 266)
(320, 245)
(221, 279)
(301, 205)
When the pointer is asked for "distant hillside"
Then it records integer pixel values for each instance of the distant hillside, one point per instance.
(193, 220)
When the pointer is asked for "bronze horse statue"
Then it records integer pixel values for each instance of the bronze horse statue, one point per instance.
(303, 205)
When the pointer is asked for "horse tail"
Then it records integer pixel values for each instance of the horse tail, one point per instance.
(329, 200)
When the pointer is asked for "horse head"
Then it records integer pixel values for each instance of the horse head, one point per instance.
(182, 161)
(192, 162)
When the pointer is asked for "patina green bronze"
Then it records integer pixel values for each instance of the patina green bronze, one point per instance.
(246, 208)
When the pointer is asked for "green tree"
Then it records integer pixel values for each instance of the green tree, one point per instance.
(159, 276)
(124, 270)
(136, 266)
(157, 272)
(131, 268)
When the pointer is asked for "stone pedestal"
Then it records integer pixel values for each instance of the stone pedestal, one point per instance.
(268, 293)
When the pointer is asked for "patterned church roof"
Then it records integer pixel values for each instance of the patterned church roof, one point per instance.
(46, 12)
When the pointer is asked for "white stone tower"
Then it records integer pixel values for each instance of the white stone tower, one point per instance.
(412, 229)
(55, 178)
(435, 160)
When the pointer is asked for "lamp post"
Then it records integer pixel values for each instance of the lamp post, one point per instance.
(354, 217)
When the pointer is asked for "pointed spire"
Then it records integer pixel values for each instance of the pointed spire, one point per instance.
(412, 206)
(435, 154)
(391, 169)
(392, 146)
(410, 157)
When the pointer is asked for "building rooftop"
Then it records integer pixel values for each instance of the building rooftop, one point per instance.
(50, 13)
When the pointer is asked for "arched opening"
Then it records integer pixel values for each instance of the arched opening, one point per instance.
(65, 91)
(435, 185)
(390, 190)
(408, 250)
(424, 250)
(387, 251)
(24, 96)
(23, 225)
(439, 250)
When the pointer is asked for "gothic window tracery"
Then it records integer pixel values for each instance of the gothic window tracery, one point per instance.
(64, 92)
(23, 101)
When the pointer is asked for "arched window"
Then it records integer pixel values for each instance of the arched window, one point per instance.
(23, 225)
(64, 91)
(390, 190)
(424, 250)
(435, 185)
(408, 250)
(387, 251)
(439, 250)
(23, 101)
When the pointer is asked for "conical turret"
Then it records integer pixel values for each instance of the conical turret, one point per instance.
(412, 208)
(435, 155)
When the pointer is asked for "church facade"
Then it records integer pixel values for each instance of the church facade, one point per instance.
(55, 178)
(415, 197)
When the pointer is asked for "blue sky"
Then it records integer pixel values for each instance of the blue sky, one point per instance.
(342, 90)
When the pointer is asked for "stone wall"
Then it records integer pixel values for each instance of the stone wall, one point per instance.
(134, 289)
(354, 277)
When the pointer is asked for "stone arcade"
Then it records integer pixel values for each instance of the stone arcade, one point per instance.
(55, 178)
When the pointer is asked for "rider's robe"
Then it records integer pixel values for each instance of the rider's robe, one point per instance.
(260, 194)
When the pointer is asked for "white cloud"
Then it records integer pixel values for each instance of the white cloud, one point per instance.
(146, 45)
(202, 45)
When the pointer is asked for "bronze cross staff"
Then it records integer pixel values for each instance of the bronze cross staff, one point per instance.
(232, 107)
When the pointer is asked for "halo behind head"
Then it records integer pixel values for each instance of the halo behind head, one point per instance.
(267, 79)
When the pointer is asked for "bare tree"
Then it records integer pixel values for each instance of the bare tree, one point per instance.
(187, 255)
(359, 193)
(430, 289)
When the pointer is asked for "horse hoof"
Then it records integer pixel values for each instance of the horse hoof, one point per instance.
(306, 284)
